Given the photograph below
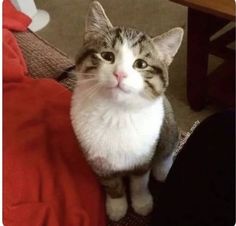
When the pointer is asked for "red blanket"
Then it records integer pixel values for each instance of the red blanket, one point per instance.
(46, 180)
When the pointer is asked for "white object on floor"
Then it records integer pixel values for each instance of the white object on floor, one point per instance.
(40, 18)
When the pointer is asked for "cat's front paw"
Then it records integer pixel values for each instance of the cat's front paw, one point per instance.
(116, 208)
(142, 203)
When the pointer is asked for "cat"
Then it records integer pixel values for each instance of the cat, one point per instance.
(119, 112)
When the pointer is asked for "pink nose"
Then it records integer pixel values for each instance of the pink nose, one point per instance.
(119, 75)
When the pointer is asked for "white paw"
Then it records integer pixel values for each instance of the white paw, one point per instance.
(142, 203)
(116, 208)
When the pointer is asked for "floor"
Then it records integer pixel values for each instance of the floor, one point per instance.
(65, 31)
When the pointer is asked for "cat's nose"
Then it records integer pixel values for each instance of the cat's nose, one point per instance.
(119, 75)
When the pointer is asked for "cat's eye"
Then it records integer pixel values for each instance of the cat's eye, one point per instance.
(140, 64)
(108, 56)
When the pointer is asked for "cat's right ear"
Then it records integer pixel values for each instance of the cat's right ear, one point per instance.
(97, 21)
(169, 43)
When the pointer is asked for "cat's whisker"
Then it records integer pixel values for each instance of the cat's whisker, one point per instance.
(94, 92)
(84, 73)
(90, 88)
(89, 95)
(87, 92)
(86, 80)
(83, 79)
(80, 82)
(91, 92)
(79, 73)
(95, 88)
(73, 72)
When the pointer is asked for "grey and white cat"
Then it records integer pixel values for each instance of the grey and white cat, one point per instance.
(119, 112)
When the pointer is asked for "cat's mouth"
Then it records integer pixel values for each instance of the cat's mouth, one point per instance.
(119, 87)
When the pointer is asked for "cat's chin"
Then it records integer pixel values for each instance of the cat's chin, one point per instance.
(118, 88)
(119, 94)
(124, 96)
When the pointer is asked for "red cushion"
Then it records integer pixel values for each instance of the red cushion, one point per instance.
(46, 179)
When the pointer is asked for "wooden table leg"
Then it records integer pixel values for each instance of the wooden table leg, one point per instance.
(200, 27)
(197, 58)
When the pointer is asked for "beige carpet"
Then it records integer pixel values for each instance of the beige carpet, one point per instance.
(65, 31)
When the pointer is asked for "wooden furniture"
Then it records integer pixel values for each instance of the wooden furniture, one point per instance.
(205, 18)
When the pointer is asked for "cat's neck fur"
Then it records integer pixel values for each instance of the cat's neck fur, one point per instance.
(125, 138)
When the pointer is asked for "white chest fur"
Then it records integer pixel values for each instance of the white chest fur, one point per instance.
(124, 139)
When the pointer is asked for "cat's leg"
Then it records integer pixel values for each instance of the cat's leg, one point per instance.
(167, 144)
(142, 201)
(116, 202)
(161, 167)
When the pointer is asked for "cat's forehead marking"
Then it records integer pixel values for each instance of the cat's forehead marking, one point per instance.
(148, 55)
(117, 37)
(134, 38)
(140, 38)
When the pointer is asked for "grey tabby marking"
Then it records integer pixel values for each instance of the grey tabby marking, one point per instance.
(117, 37)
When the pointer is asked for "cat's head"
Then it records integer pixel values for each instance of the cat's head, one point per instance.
(127, 64)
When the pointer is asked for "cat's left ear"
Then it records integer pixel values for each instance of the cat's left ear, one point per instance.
(169, 43)
(97, 22)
